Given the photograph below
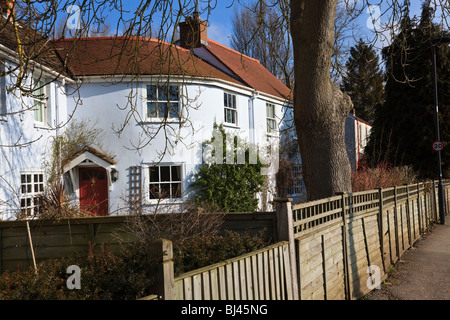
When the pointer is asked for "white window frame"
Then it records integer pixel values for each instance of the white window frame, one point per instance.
(40, 98)
(297, 184)
(271, 120)
(149, 182)
(171, 103)
(230, 105)
(32, 184)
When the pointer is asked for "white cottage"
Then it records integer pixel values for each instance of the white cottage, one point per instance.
(28, 122)
(156, 103)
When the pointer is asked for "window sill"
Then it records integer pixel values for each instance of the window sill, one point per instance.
(230, 125)
(41, 125)
(162, 121)
(163, 202)
(273, 135)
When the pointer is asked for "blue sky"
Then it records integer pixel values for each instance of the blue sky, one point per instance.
(220, 26)
(220, 18)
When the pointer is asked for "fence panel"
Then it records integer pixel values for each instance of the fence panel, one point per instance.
(261, 275)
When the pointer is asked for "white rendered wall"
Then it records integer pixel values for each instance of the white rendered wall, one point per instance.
(108, 105)
(23, 142)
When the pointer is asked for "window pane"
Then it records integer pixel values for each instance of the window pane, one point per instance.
(154, 174)
(39, 111)
(151, 92)
(234, 102)
(176, 173)
(174, 112)
(228, 115)
(165, 173)
(225, 99)
(163, 109)
(162, 93)
(151, 109)
(173, 93)
(154, 191)
(176, 190)
(164, 190)
(269, 111)
(28, 178)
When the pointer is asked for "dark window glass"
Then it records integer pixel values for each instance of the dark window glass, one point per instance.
(154, 174)
(165, 174)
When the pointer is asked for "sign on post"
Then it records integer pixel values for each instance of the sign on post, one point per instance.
(438, 146)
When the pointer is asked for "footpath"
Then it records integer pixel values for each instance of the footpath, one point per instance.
(423, 273)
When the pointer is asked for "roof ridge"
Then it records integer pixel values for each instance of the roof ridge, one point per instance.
(232, 50)
(113, 38)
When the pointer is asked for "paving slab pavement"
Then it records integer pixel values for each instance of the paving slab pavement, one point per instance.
(423, 273)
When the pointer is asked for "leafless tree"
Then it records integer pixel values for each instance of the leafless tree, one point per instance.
(320, 108)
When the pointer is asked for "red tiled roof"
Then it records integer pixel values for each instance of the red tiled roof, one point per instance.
(250, 70)
(35, 47)
(132, 56)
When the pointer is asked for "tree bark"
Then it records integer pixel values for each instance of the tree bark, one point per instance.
(320, 108)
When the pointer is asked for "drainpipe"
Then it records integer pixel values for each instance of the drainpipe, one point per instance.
(251, 117)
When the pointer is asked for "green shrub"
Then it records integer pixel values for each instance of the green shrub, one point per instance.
(104, 276)
(120, 276)
(228, 187)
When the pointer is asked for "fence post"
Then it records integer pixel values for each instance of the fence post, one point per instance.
(408, 217)
(347, 288)
(380, 226)
(285, 232)
(161, 251)
(397, 242)
(434, 204)
(419, 212)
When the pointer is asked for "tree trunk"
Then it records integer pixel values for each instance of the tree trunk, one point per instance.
(320, 108)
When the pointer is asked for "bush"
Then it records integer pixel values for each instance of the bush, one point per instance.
(203, 251)
(228, 187)
(104, 276)
(197, 242)
(382, 176)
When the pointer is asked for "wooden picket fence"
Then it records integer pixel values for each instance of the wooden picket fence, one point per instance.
(332, 249)
(261, 275)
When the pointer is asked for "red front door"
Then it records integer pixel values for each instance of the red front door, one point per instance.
(93, 191)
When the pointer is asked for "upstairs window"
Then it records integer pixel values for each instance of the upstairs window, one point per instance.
(40, 101)
(163, 101)
(229, 101)
(165, 182)
(271, 120)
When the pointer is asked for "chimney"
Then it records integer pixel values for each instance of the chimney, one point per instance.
(6, 6)
(193, 32)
